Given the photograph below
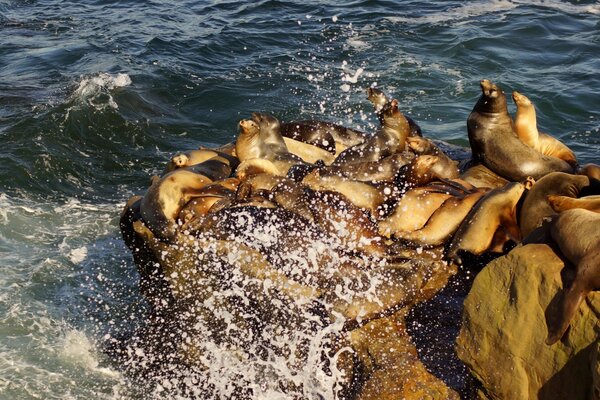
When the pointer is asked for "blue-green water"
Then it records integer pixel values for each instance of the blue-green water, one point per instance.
(95, 96)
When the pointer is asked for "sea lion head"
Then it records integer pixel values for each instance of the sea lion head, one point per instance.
(391, 115)
(180, 160)
(492, 98)
(247, 145)
(266, 121)
(520, 99)
(377, 97)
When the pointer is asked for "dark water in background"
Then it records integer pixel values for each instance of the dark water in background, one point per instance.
(95, 97)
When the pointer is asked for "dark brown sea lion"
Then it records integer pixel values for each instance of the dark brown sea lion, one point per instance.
(577, 234)
(165, 198)
(497, 210)
(384, 170)
(206, 198)
(591, 170)
(482, 177)
(424, 169)
(526, 129)
(495, 144)
(389, 139)
(535, 207)
(379, 100)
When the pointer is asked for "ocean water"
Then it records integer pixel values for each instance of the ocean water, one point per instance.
(95, 96)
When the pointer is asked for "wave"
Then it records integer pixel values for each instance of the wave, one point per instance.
(477, 9)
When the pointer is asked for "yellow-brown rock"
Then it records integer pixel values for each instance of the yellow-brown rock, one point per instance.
(391, 365)
(504, 328)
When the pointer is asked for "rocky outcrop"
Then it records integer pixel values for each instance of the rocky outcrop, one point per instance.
(504, 328)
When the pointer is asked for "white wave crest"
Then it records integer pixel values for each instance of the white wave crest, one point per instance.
(95, 90)
(476, 9)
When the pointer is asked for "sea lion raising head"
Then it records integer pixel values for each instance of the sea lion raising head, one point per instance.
(526, 129)
(495, 144)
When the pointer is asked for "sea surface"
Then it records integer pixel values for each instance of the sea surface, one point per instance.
(96, 95)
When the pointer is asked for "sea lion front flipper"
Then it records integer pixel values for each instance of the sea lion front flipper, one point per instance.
(562, 203)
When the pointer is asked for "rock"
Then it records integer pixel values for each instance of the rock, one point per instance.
(504, 328)
(391, 365)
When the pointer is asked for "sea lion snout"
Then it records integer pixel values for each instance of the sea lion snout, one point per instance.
(520, 99)
(529, 182)
(488, 88)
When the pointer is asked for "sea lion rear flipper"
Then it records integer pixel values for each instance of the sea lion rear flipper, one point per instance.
(585, 280)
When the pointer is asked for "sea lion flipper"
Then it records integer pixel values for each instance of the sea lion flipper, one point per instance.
(586, 279)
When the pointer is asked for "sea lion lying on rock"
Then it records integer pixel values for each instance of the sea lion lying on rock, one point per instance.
(167, 195)
(490, 223)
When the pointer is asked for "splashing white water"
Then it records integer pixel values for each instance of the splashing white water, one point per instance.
(95, 90)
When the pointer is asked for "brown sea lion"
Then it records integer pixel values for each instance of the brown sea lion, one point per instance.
(443, 222)
(308, 152)
(260, 147)
(384, 170)
(193, 157)
(424, 169)
(165, 198)
(422, 146)
(360, 194)
(379, 100)
(412, 211)
(563, 203)
(495, 144)
(591, 170)
(496, 210)
(535, 207)
(389, 139)
(577, 234)
(206, 197)
(482, 177)
(327, 135)
(526, 129)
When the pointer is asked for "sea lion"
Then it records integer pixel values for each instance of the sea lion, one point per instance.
(327, 135)
(495, 144)
(339, 217)
(389, 139)
(412, 211)
(563, 203)
(260, 147)
(206, 197)
(166, 196)
(591, 170)
(424, 169)
(482, 177)
(384, 170)
(308, 152)
(422, 146)
(577, 234)
(495, 211)
(535, 207)
(193, 157)
(443, 222)
(379, 100)
(526, 129)
(360, 194)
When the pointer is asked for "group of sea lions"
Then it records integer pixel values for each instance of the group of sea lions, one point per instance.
(389, 192)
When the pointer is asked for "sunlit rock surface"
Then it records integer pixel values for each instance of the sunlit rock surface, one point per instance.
(233, 321)
(504, 329)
